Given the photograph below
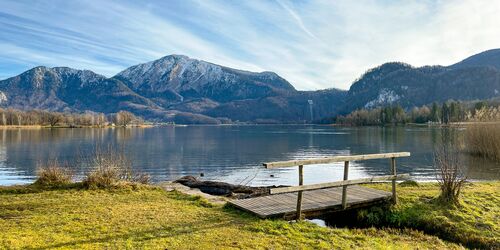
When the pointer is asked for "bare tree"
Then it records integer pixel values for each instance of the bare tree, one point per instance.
(4, 119)
(54, 118)
(451, 174)
(100, 119)
(124, 118)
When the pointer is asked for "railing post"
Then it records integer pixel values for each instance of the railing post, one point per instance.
(344, 188)
(299, 195)
(393, 170)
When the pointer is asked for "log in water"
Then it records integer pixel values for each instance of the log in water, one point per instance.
(223, 188)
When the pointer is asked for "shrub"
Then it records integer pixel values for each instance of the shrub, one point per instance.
(53, 174)
(109, 167)
(451, 173)
(141, 178)
(484, 140)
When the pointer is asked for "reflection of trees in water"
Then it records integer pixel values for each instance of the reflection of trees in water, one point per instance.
(28, 147)
(478, 168)
(173, 151)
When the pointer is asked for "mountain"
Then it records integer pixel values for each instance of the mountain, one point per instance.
(176, 78)
(489, 58)
(66, 89)
(180, 83)
(173, 88)
(184, 90)
(293, 107)
(477, 77)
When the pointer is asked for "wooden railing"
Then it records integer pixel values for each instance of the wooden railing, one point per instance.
(346, 159)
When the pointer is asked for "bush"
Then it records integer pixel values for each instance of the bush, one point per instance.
(110, 167)
(451, 174)
(484, 140)
(53, 174)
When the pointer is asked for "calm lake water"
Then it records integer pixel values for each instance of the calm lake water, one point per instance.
(231, 153)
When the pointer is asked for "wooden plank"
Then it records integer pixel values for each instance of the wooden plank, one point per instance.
(336, 184)
(341, 158)
(299, 195)
(344, 188)
(313, 202)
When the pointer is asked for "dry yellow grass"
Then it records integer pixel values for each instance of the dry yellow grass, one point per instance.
(484, 140)
(53, 174)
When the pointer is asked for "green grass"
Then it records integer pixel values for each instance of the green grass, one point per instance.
(137, 217)
(474, 222)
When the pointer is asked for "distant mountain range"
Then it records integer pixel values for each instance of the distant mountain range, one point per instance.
(184, 90)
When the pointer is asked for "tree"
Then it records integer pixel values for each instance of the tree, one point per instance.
(54, 118)
(445, 113)
(399, 114)
(435, 113)
(123, 118)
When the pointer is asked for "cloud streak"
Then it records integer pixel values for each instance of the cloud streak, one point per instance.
(313, 44)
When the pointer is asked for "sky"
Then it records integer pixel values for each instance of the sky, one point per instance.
(313, 44)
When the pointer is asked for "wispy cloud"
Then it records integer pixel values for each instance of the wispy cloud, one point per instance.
(313, 44)
(297, 18)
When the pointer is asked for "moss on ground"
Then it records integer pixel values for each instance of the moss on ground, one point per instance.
(149, 217)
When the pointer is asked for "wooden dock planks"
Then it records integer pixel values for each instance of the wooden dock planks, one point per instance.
(313, 201)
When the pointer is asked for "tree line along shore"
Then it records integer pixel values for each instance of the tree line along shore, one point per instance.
(445, 113)
(41, 118)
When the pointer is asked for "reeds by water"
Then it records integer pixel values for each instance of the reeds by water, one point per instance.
(484, 140)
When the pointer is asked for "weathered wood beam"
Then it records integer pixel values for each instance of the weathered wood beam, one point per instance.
(341, 158)
(336, 184)
(344, 188)
(393, 172)
(299, 195)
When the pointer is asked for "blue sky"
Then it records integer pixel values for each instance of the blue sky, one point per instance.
(313, 44)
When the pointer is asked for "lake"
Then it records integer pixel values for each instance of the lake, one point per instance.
(232, 153)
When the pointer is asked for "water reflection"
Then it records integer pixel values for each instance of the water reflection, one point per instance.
(231, 153)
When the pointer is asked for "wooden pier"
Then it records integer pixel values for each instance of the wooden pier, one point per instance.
(316, 199)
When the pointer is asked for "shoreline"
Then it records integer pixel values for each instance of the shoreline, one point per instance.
(433, 125)
(168, 182)
(67, 126)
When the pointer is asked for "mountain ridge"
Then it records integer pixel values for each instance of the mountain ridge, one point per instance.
(185, 90)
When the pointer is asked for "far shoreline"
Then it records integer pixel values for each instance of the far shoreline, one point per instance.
(152, 125)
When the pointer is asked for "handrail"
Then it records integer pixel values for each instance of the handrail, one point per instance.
(282, 190)
(342, 158)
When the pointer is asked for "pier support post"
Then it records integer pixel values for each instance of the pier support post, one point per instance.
(393, 170)
(299, 195)
(344, 188)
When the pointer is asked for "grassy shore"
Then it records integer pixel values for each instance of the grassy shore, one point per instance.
(474, 222)
(138, 216)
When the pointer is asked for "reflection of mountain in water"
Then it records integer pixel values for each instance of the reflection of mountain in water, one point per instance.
(233, 153)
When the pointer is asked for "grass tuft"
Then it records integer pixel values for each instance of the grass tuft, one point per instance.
(408, 183)
(53, 174)
(111, 167)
